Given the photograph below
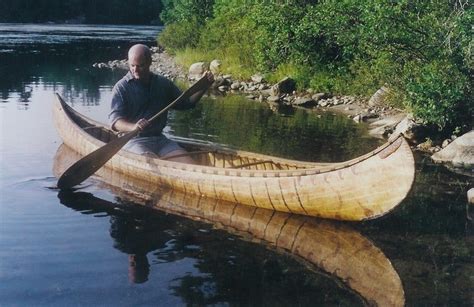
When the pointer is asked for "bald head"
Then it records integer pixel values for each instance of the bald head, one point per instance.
(139, 50)
(139, 61)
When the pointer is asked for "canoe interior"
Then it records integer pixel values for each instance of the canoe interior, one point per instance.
(203, 154)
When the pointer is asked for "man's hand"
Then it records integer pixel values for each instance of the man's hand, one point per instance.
(141, 124)
(209, 77)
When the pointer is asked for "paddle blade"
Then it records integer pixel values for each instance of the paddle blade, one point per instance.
(89, 164)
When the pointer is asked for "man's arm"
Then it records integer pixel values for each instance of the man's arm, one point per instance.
(197, 96)
(124, 125)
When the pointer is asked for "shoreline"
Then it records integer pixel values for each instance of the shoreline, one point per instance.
(383, 121)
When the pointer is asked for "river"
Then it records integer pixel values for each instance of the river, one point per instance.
(100, 246)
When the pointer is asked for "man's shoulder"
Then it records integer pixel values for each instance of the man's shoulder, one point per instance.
(161, 80)
(122, 83)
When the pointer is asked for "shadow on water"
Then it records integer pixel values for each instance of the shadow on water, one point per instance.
(140, 226)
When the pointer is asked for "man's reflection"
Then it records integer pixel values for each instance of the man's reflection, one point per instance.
(135, 233)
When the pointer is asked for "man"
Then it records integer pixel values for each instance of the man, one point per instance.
(139, 95)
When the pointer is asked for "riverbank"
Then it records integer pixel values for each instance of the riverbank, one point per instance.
(384, 121)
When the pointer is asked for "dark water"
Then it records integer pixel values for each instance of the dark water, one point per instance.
(99, 246)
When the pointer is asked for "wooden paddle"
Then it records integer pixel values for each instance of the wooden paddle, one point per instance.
(89, 164)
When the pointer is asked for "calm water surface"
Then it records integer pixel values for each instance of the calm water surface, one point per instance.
(99, 245)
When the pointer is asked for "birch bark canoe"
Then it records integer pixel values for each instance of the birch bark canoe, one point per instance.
(362, 188)
(331, 247)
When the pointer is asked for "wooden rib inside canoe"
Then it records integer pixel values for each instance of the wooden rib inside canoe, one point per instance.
(362, 188)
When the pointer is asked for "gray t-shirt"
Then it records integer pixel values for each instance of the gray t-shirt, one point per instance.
(132, 100)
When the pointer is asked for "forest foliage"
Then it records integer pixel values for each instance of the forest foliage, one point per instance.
(421, 49)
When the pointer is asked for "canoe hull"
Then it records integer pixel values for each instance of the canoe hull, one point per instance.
(363, 188)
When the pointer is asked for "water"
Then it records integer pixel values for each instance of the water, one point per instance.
(101, 246)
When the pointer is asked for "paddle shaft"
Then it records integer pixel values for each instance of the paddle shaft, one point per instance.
(90, 163)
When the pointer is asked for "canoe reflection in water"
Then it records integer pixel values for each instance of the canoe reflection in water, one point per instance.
(330, 246)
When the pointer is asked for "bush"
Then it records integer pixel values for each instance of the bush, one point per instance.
(180, 35)
(421, 49)
(436, 93)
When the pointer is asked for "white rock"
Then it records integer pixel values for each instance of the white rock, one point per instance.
(446, 143)
(257, 78)
(196, 70)
(215, 66)
(460, 152)
(318, 96)
(273, 98)
(470, 196)
(379, 96)
(404, 127)
(235, 86)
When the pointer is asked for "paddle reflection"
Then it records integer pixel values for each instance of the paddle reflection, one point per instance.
(332, 247)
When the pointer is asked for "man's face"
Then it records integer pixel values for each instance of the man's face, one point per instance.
(139, 67)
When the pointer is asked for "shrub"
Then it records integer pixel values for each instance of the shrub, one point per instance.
(421, 49)
(436, 93)
(180, 35)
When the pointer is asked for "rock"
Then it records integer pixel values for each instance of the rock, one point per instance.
(235, 85)
(426, 146)
(405, 127)
(284, 86)
(470, 196)
(273, 98)
(196, 70)
(288, 99)
(318, 96)
(257, 78)
(446, 143)
(379, 96)
(304, 102)
(215, 66)
(262, 87)
(386, 125)
(155, 57)
(223, 88)
(460, 153)
(220, 82)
